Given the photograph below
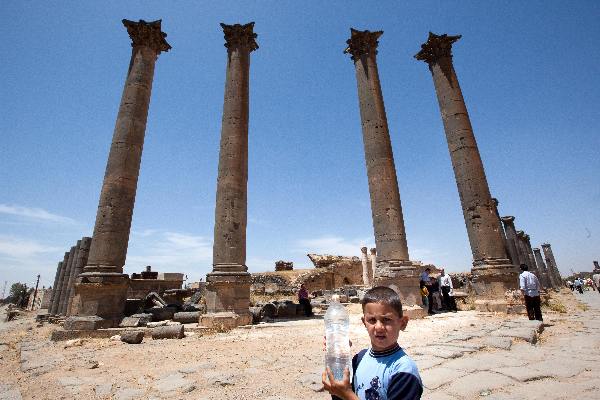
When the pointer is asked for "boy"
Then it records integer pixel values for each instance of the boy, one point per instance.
(384, 371)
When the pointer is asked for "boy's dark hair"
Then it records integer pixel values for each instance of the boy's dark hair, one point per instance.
(524, 267)
(383, 295)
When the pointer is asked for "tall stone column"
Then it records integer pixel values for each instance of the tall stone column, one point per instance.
(501, 229)
(373, 257)
(511, 239)
(80, 262)
(523, 258)
(229, 281)
(101, 289)
(56, 277)
(393, 265)
(533, 268)
(365, 266)
(492, 270)
(67, 283)
(64, 282)
(551, 263)
(542, 267)
(58, 289)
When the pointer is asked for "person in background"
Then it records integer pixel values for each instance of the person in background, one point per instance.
(445, 281)
(425, 296)
(304, 299)
(530, 288)
(425, 280)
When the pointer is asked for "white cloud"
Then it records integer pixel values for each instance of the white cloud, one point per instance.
(38, 214)
(18, 248)
(22, 259)
(332, 245)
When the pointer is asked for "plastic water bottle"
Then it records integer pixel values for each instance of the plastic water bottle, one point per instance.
(337, 352)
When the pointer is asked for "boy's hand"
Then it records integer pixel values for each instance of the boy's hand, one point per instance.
(341, 389)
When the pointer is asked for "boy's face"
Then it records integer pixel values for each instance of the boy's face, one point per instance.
(383, 325)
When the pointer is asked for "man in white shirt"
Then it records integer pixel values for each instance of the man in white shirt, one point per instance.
(530, 288)
(449, 304)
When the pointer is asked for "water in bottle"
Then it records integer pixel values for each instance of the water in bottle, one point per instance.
(337, 351)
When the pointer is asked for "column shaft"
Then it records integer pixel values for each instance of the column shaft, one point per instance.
(56, 278)
(56, 302)
(80, 262)
(373, 257)
(394, 267)
(552, 267)
(229, 282)
(115, 209)
(229, 248)
(65, 282)
(365, 266)
(533, 268)
(487, 246)
(386, 209)
(511, 239)
(542, 267)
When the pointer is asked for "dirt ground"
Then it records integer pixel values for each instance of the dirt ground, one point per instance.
(281, 360)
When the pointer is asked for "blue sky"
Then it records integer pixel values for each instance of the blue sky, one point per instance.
(529, 74)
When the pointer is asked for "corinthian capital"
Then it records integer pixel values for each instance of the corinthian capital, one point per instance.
(362, 43)
(436, 47)
(148, 34)
(240, 36)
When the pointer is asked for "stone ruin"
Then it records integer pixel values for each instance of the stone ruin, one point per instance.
(284, 265)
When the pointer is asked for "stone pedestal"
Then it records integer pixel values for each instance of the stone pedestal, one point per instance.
(403, 277)
(492, 271)
(228, 292)
(393, 267)
(228, 284)
(98, 301)
(101, 289)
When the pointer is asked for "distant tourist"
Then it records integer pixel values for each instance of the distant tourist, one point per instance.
(383, 371)
(448, 302)
(571, 285)
(304, 299)
(530, 288)
(425, 296)
(578, 285)
(425, 280)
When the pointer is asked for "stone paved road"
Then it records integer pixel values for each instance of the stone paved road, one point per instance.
(563, 364)
(464, 355)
